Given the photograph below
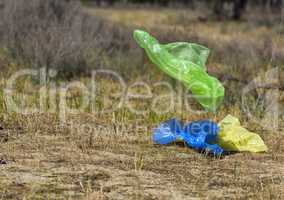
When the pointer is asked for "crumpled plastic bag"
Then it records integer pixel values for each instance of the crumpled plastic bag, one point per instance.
(233, 137)
(168, 132)
(186, 63)
(199, 135)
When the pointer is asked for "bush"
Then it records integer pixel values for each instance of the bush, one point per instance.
(51, 33)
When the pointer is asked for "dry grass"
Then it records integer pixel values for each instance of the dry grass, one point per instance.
(54, 34)
(111, 156)
(118, 160)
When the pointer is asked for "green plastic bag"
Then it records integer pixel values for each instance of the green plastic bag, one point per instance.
(233, 137)
(185, 62)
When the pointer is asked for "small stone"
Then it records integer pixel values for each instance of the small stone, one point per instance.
(3, 162)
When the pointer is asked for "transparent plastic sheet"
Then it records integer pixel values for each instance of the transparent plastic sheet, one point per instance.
(186, 63)
(233, 137)
(199, 135)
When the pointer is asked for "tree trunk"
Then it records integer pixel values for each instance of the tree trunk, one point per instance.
(218, 7)
(239, 7)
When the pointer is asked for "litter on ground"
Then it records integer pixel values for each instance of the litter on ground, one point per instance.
(207, 136)
(186, 62)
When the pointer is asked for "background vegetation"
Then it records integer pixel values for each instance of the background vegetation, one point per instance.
(111, 156)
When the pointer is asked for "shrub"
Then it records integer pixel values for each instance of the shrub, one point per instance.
(51, 33)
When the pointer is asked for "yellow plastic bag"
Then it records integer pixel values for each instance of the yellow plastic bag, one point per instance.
(233, 137)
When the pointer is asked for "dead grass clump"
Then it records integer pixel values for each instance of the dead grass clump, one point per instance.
(51, 33)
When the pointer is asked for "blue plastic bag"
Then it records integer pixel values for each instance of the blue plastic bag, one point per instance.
(168, 132)
(207, 128)
(200, 135)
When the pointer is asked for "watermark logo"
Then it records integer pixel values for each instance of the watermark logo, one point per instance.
(106, 92)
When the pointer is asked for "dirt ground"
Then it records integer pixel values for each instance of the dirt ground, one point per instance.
(49, 160)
